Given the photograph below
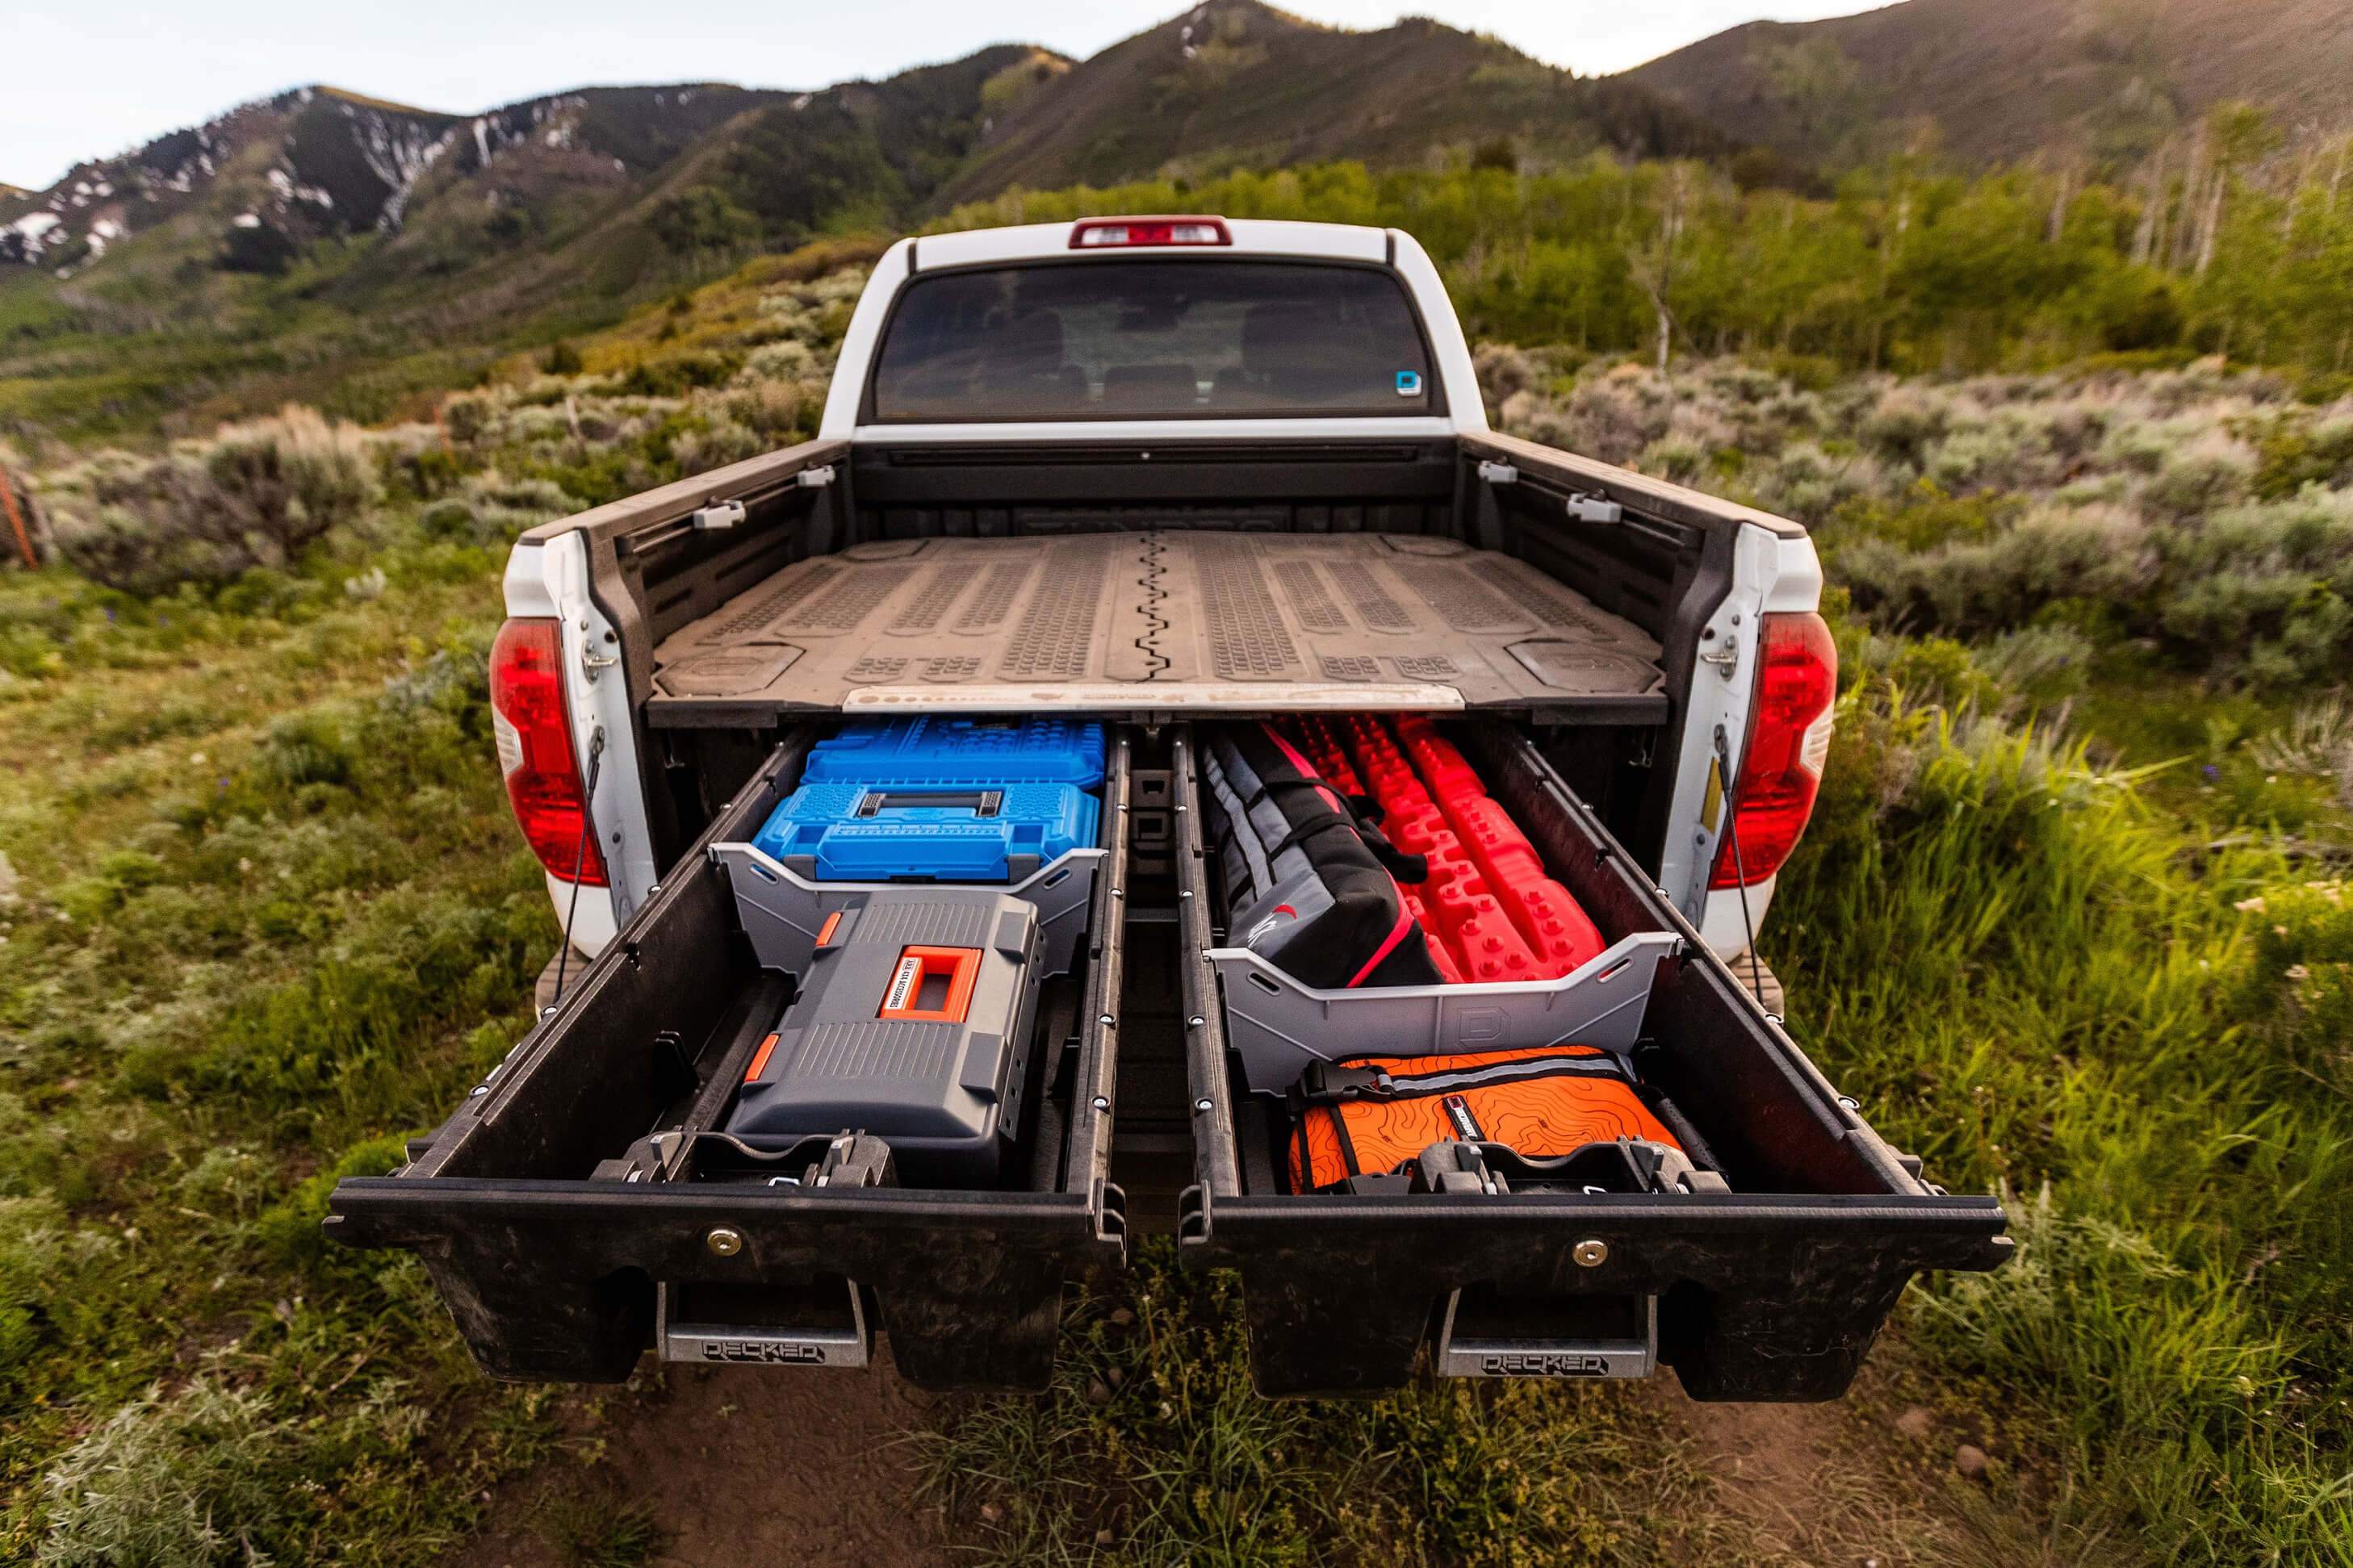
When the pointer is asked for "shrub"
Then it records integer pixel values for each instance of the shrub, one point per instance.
(1984, 586)
(2003, 454)
(258, 494)
(719, 442)
(2265, 588)
(1614, 416)
(2044, 664)
(2211, 471)
(787, 359)
(1906, 422)
(490, 508)
(466, 418)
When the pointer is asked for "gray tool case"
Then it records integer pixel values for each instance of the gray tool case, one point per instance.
(912, 1023)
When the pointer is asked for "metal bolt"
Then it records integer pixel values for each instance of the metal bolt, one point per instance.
(1186, 894)
(1106, 1020)
(1101, 1103)
(1849, 1103)
(547, 1012)
(479, 1090)
(1591, 1253)
(1203, 1106)
(1197, 1020)
(654, 892)
(723, 1242)
(1119, 892)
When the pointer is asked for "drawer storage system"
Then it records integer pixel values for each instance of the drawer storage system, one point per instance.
(865, 1062)
(1756, 1256)
(779, 1114)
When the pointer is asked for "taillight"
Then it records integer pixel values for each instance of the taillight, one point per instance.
(533, 723)
(1095, 233)
(1788, 739)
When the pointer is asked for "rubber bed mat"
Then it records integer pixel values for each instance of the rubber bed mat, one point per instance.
(1186, 620)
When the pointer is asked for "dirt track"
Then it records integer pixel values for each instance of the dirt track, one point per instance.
(741, 1468)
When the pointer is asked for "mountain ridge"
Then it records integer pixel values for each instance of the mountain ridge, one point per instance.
(1228, 82)
(2003, 80)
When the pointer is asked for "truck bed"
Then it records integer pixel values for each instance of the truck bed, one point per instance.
(1158, 619)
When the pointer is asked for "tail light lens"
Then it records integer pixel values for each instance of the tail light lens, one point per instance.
(1788, 739)
(534, 722)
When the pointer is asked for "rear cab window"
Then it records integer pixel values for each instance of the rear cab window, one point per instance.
(1153, 339)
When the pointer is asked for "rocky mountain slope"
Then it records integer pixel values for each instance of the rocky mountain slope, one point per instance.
(2001, 79)
(266, 178)
(1232, 81)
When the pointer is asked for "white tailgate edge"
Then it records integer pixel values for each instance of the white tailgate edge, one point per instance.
(551, 579)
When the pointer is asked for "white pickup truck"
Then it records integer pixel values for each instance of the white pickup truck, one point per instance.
(1163, 473)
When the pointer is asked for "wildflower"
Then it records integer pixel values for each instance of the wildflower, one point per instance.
(2253, 906)
(2298, 974)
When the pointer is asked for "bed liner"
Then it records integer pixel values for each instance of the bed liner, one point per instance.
(1159, 619)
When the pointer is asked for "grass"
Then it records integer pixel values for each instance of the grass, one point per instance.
(2037, 979)
(248, 939)
(2065, 924)
(1152, 1448)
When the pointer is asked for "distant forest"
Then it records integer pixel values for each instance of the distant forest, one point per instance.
(2222, 244)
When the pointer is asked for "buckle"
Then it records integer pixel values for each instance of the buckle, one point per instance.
(1327, 1083)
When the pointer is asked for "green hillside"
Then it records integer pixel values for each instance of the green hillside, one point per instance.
(1991, 80)
(1238, 84)
(363, 256)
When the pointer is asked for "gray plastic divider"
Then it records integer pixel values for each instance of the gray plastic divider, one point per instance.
(782, 911)
(1280, 1027)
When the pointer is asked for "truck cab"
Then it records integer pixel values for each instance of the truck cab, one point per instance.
(1160, 474)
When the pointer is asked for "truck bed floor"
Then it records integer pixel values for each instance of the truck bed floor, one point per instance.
(1156, 620)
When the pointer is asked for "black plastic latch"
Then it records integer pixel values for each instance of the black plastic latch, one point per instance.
(854, 1160)
(1327, 1083)
(1454, 1166)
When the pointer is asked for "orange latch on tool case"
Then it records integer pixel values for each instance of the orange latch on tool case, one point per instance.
(959, 967)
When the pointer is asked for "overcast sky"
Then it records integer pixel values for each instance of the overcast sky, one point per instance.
(99, 77)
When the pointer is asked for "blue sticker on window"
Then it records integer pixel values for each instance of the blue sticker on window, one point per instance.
(1409, 383)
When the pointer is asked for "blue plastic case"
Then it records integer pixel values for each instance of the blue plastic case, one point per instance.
(948, 750)
(849, 832)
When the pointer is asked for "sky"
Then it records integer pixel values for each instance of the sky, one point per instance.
(112, 74)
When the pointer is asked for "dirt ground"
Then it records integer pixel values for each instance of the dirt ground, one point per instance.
(734, 1467)
(737, 1467)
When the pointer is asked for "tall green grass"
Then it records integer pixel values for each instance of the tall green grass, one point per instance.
(266, 914)
(2045, 985)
